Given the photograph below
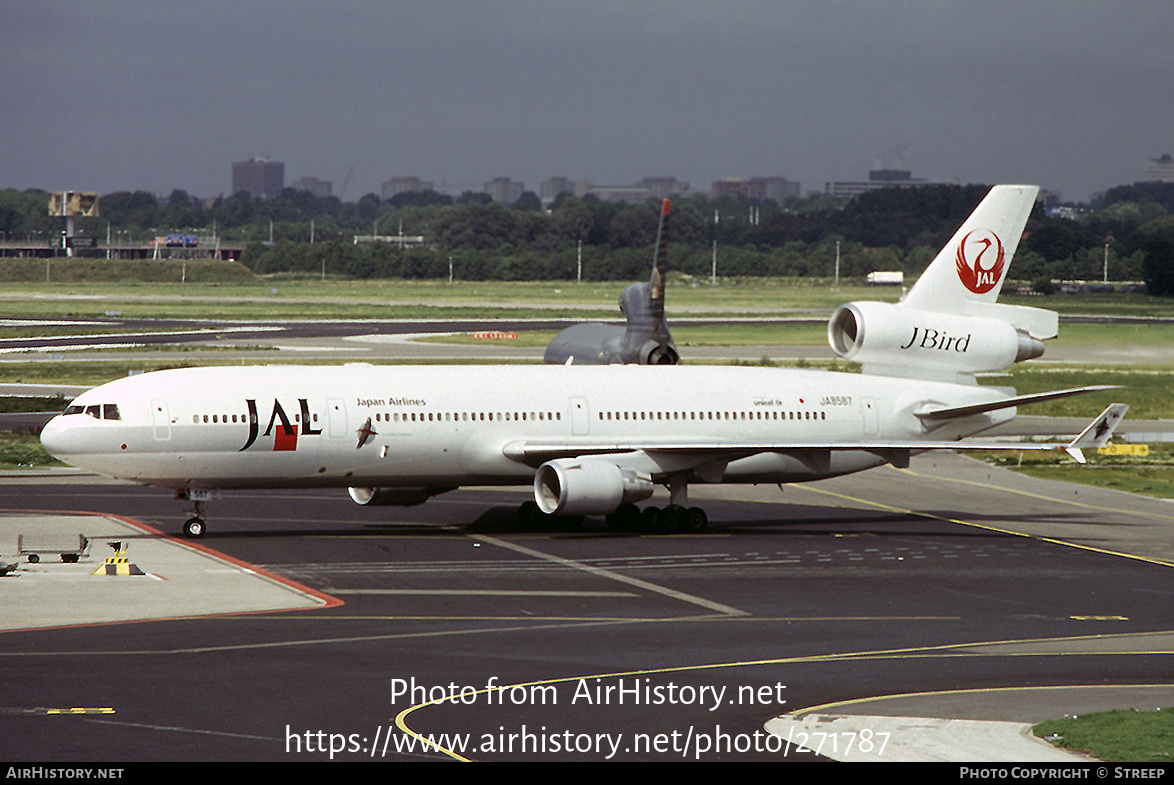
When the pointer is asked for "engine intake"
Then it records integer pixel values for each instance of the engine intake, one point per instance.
(587, 486)
(654, 353)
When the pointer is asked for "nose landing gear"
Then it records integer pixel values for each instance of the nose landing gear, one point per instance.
(194, 526)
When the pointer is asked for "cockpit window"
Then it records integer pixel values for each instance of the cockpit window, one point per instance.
(105, 411)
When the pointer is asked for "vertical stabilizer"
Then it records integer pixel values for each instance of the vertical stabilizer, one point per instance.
(972, 266)
(660, 265)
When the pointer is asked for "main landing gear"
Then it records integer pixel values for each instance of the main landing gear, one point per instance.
(678, 516)
(669, 520)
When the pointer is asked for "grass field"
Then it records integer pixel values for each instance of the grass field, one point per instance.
(1151, 475)
(683, 292)
(1121, 736)
(1149, 393)
(306, 297)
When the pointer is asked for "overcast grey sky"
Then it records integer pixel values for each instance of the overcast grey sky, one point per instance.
(1073, 95)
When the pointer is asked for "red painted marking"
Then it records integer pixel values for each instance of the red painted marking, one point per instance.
(326, 599)
(285, 441)
(979, 260)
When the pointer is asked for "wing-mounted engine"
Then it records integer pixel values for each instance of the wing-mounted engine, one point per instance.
(587, 486)
(892, 340)
(393, 497)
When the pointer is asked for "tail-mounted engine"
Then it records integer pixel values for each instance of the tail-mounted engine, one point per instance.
(893, 340)
(655, 353)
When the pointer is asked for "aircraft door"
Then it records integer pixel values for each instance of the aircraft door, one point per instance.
(871, 412)
(580, 419)
(161, 420)
(336, 416)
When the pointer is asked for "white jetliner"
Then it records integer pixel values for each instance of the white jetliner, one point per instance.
(594, 440)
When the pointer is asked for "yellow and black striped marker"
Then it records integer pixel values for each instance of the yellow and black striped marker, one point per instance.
(118, 564)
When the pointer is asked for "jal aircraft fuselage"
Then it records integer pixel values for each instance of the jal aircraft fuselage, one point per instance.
(389, 426)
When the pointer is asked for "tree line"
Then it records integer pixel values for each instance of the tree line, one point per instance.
(891, 229)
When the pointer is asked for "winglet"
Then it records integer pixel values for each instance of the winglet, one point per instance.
(1098, 432)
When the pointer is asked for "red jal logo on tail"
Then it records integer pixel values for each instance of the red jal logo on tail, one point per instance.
(980, 260)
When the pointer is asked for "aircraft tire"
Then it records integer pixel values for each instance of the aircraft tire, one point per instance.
(625, 519)
(671, 519)
(696, 520)
(193, 528)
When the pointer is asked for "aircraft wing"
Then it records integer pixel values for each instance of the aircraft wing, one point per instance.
(684, 453)
(949, 413)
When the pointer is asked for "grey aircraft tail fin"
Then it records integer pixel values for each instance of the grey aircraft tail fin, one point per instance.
(645, 339)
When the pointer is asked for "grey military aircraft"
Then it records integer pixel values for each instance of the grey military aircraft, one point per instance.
(645, 340)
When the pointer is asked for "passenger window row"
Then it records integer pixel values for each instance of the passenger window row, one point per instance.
(219, 418)
(709, 415)
(111, 413)
(469, 417)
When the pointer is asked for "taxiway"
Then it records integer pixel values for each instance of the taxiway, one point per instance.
(942, 592)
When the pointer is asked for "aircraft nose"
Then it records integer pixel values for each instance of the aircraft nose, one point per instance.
(56, 438)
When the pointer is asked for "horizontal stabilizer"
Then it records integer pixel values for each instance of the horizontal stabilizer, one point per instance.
(953, 412)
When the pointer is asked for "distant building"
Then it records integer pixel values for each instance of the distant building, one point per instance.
(622, 194)
(504, 190)
(878, 178)
(312, 185)
(1159, 170)
(777, 189)
(756, 189)
(259, 177)
(404, 185)
(732, 186)
(554, 187)
(637, 193)
(665, 187)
